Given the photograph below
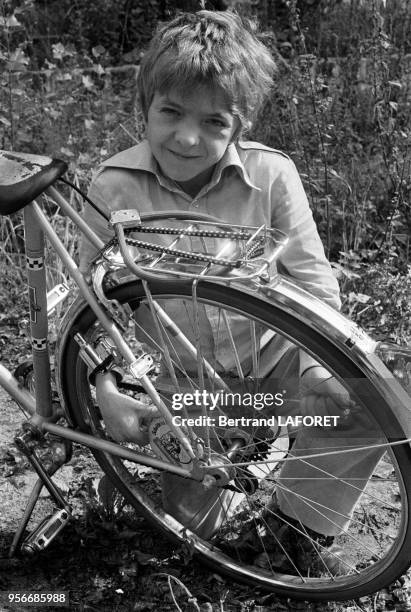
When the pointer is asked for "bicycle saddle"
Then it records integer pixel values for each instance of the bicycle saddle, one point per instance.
(23, 177)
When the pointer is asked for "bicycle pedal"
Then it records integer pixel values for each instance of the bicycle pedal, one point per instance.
(46, 531)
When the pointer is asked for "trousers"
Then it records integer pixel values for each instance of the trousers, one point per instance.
(322, 491)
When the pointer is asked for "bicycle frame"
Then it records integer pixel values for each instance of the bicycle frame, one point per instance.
(296, 301)
(210, 481)
(138, 335)
(40, 408)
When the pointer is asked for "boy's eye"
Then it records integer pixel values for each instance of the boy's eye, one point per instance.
(168, 110)
(217, 123)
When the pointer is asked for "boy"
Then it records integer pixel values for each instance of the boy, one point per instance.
(201, 83)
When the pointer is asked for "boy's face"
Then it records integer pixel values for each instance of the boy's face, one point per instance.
(189, 134)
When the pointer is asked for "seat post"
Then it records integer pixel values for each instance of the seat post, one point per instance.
(36, 280)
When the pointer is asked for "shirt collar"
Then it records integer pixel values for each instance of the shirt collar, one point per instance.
(135, 158)
(140, 157)
(232, 158)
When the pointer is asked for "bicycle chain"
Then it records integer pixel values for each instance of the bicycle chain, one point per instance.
(251, 251)
(184, 254)
(241, 235)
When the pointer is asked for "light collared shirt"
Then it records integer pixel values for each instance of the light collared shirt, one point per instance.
(251, 185)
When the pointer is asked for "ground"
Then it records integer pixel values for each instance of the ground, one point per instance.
(107, 559)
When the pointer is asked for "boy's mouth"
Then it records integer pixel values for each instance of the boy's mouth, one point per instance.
(182, 156)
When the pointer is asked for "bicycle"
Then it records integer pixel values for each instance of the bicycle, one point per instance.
(141, 384)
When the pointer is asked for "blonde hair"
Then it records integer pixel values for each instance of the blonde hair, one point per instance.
(212, 49)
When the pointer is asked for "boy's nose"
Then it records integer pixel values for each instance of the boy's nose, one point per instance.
(187, 136)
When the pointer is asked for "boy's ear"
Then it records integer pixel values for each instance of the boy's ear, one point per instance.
(144, 118)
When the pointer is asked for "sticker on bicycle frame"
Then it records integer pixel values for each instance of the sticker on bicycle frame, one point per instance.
(34, 307)
(361, 339)
(39, 343)
(35, 263)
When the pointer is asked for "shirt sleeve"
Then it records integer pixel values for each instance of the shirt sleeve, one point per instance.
(303, 259)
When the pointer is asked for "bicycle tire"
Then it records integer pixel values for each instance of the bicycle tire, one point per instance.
(367, 575)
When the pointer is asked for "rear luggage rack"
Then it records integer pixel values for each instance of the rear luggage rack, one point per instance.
(192, 249)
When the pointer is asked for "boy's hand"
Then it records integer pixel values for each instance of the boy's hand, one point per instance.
(322, 394)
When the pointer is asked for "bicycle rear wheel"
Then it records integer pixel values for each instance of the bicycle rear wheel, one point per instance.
(360, 498)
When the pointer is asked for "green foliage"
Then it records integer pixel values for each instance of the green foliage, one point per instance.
(341, 107)
(378, 298)
(76, 107)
